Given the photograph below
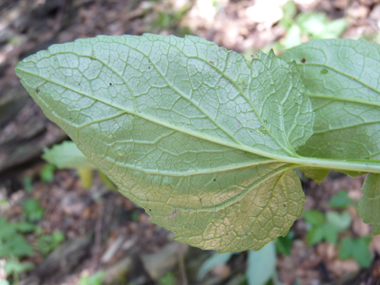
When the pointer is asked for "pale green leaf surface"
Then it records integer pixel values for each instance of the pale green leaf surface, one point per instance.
(213, 261)
(342, 80)
(369, 203)
(67, 155)
(261, 265)
(194, 134)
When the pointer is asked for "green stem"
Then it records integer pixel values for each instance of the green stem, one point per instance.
(351, 165)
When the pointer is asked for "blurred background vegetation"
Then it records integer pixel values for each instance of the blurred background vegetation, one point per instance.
(62, 222)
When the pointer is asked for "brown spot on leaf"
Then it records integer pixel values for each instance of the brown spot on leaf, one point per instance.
(303, 60)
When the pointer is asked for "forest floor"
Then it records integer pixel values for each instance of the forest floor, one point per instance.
(102, 230)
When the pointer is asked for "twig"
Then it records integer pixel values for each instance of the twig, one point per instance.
(182, 264)
(98, 239)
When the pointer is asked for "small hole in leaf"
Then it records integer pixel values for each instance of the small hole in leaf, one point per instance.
(303, 60)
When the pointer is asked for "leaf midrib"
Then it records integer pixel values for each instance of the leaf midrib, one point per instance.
(159, 122)
(288, 150)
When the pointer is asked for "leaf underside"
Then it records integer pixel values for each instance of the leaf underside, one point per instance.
(67, 155)
(342, 80)
(369, 204)
(202, 139)
(187, 130)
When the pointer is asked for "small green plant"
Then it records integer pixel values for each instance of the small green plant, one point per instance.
(47, 243)
(13, 247)
(47, 173)
(206, 141)
(313, 25)
(32, 210)
(326, 227)
(356, 248)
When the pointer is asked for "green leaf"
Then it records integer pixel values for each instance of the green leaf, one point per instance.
(24, 227)
(330, 233)
(315, 235)
(314, 217)
(340, 200)
(357, 249)
(17, 267)
(293, 36)
(334, 29)
(312, 24)
(369, 204)
(316, 25)
(284, 244)
(16, 246)
(47, 172)
(340, 222)
(213, 261)
(361, 252)
(47, 243)
(346, 98)
(207, 149)
(33, 210)
(67, 155)
(261, 265)
(345, 248)
(289, 10)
